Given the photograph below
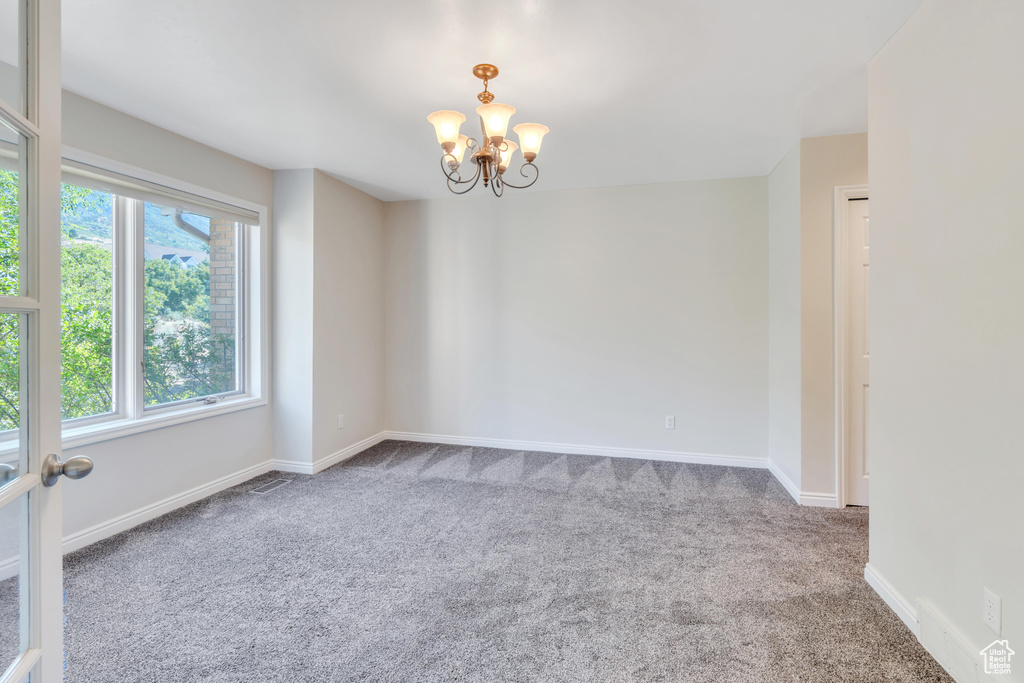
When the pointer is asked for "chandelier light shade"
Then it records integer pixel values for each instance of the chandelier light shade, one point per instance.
(530, 137)
(505, 152)
(494, 119)
(446, 125)
(492, 156)
(460, 150)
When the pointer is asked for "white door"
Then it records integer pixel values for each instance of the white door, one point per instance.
(858, 352)
(31, 592)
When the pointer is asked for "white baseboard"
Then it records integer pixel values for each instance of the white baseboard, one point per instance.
(958, 656)
(962, 659)
(903, 608)
(574, 449)
(80, 539)
(322, 464)
(787, 483)
(128, 520)
(292, 466)
(819, 500)
(10, 566)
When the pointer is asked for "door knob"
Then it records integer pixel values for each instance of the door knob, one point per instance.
(75, 468)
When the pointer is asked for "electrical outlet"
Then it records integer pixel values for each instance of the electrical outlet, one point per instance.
(993, 613)
(670, 422)
(341, 422)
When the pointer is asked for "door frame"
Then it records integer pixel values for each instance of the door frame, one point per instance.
(42, 651)
(840, 229)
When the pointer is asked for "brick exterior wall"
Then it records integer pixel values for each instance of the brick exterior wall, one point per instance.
(223, 299)
(222, 277)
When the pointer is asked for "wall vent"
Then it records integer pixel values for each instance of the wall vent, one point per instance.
(270, 486)
(950, 649)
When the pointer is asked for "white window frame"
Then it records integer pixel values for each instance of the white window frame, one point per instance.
(130, 415)
(117, 321)
(135, 229)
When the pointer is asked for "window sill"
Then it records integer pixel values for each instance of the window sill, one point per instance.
(115, 429)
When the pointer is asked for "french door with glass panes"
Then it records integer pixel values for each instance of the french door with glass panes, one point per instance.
(31, 592)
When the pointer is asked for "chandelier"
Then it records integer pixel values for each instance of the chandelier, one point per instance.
(493, 155)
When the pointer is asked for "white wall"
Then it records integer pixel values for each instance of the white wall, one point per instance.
(101, 130)
(825, 163)
(348, 321)
(139, 470)
(329, 265)
(802, 434)
(583, 317)
(293, 315)
(946, 121)
(784, 405)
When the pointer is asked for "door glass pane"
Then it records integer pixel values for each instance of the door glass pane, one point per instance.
(191, 302)
(11, 37)
(12, 209)
(13, 546)
(13, 450)
(87, 302)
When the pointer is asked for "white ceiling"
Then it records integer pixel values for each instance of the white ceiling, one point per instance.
(634, 92)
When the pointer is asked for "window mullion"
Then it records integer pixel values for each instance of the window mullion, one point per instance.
(122, 327)
(241, 305)
(139, 269)
(132, 212)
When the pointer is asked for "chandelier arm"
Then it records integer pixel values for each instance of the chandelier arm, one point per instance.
(476, 178)
(498, 186)
(452, 174)
(522, 172)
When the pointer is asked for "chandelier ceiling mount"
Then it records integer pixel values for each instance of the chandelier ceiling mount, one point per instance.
(485, 72)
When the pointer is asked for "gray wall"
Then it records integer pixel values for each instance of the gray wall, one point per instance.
(293, 315)
(801, 188)
(329, 261)
(136, 471)
(784, 447)
(583, 317)
(825, 163)
(348, 321)
(945, 113)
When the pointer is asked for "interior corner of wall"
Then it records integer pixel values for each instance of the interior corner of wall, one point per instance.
(792, 487)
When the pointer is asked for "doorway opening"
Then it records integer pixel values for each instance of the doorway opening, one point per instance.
(851, 266)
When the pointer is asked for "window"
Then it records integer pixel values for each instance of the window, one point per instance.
(12, 158)
(86, 303)
(191, 312)
(160, 302)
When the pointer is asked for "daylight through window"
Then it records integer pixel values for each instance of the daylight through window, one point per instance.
(191, 305)
(86, 302)
(153, 296)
